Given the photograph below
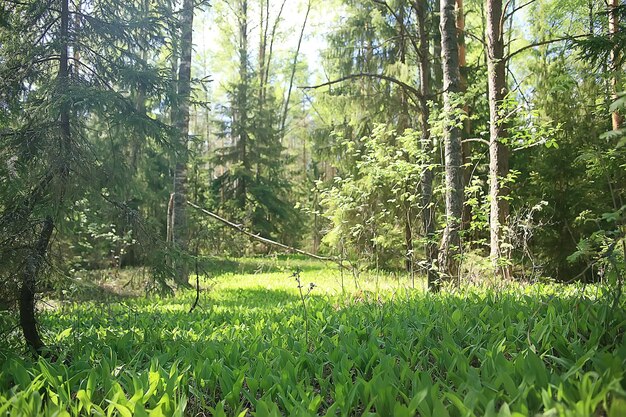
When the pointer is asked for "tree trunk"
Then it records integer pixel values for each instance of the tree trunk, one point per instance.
(467, 125)
(498, 152)
(264, 23)
(428, 213)
(451, 241)
(28, 288)
(273, 38)
(63, 84)
(38, 252)
(179, 233)
(402, 125)
(241, 106)
(283, 121)
(436, 31)
(616, 118)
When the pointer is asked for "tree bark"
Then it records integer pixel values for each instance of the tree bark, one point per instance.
(63, 85)
(38, 251)
(30, 276)
(428, 213)
(467, 126)
(283, 121)
(498, 152)
(451, 241)
(241, 106)
(616, 118)
(179, 233)
(437, 66)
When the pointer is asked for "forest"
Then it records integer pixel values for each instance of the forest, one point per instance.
(312, 208)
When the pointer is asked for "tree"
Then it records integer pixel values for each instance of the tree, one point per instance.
(24, 220)
(498, 152)
(616, 118)
(253, 182)
(375, 71)
(177, 221)
(427, 176)
(67, 72)
(451, 241)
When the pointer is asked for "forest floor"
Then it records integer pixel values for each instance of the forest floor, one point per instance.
(254, 345)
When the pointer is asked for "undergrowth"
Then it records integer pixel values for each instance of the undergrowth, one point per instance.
(382, 349)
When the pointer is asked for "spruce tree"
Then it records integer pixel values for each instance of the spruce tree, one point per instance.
(69, 70)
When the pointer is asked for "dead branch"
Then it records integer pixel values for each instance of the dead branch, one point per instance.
(240, 229)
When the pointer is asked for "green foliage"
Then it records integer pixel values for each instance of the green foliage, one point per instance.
(583, 177)
(370, 207)
(87, 175)
(541, 349)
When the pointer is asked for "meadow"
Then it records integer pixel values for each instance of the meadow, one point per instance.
(255, 345)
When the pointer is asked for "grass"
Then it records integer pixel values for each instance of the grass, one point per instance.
(382, 349)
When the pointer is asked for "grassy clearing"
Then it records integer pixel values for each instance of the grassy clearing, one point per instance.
(382, 350)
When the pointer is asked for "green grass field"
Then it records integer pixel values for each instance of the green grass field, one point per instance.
(384, 349)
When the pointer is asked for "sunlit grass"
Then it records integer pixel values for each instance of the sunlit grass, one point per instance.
(382, 349)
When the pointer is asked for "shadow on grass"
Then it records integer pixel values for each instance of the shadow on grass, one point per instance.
(113, 286)
(258, 298)
(216, 267)
(106, 291)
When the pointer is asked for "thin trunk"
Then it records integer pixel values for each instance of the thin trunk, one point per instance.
(173, 96)
(293, 70)
(262, 122)
(403, 124)
(264, 55)
(140, 101)
(451, 241)
(436, 30)
(179, 216)
(76, 45)
(428, 213)
(37, 254)
(616, 118)
(63, 83)
(272, 38)
(30, 276)
(242, 105)
(467, 126)
(498, 152)
(264, 23)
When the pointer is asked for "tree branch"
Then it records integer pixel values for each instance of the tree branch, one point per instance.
(518, 8)
(401, 22)
(240, 229)
(404, 85)
(550, 41)
(483, 141)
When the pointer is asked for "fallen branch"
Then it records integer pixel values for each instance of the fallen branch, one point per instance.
(240, 229)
